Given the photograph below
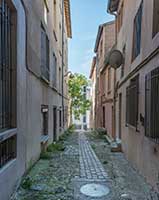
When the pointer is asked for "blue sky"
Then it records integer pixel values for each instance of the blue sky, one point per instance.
(86, 16)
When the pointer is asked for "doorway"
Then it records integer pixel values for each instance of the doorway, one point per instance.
(54, 124)
(120, 115)
(103, 116)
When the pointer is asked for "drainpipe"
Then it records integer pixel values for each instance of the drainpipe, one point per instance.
(63, 64)
(114, 98)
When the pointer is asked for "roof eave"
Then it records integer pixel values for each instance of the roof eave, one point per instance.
(68, 17)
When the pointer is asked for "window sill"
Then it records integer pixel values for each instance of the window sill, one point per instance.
(44, 139)
(7, 134)
(9, 164)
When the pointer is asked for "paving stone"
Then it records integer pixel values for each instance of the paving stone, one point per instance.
(93, 167)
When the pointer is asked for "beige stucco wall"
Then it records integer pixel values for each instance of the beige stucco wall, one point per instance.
(141, 151)
(32, 92)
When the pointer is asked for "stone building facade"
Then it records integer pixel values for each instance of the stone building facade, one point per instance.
(104, 77)
(33, 100)
(137, 79)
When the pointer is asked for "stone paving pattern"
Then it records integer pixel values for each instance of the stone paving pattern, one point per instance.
(90, 166)
(62, 176)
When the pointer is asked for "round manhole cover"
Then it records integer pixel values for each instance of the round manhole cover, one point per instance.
(94, 190)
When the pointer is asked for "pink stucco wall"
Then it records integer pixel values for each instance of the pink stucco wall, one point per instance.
(140, 150)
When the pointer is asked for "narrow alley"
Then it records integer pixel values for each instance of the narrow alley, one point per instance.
(85, 169)
(79, 100)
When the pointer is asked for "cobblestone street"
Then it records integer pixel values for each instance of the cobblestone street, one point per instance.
(85, 170)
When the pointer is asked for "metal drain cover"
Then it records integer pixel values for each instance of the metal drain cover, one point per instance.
(94, 190)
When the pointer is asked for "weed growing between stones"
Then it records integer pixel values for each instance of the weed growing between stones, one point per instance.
(56, 147)
(67, 133)
(93, 146)
(45, 155)
(99, 133)
(27, 183)
(105, 162)
(52, 178)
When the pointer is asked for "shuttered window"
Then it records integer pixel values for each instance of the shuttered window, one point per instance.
(132, 100)
(152, 105)
(155, 17)
(137, 33)
(45, 71)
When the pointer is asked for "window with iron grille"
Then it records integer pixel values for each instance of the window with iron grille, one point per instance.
(45, 115)
(132, 100)
(155, 17)
(152, 105)
(7, 150)
(7, 81)
(45, 71)
(137, 33)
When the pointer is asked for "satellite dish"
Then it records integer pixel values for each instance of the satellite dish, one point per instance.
(116, 59)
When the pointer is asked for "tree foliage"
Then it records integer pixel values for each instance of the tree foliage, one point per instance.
(79, 103)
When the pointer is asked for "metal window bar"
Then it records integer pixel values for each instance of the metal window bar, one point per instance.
(5, 66)
(8, 150)
(132, 100)
(152, 105)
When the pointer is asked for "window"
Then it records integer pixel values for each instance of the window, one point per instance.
(7, 81)
(45, 115)
(155, 17)
(132, 99)
(123, 65)
(137, 33)
(45, 71)
(109, 79)
(7, 150)
(7, 70)
(152, 105)
(120, 17)
(54, 68)
(84, 119)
